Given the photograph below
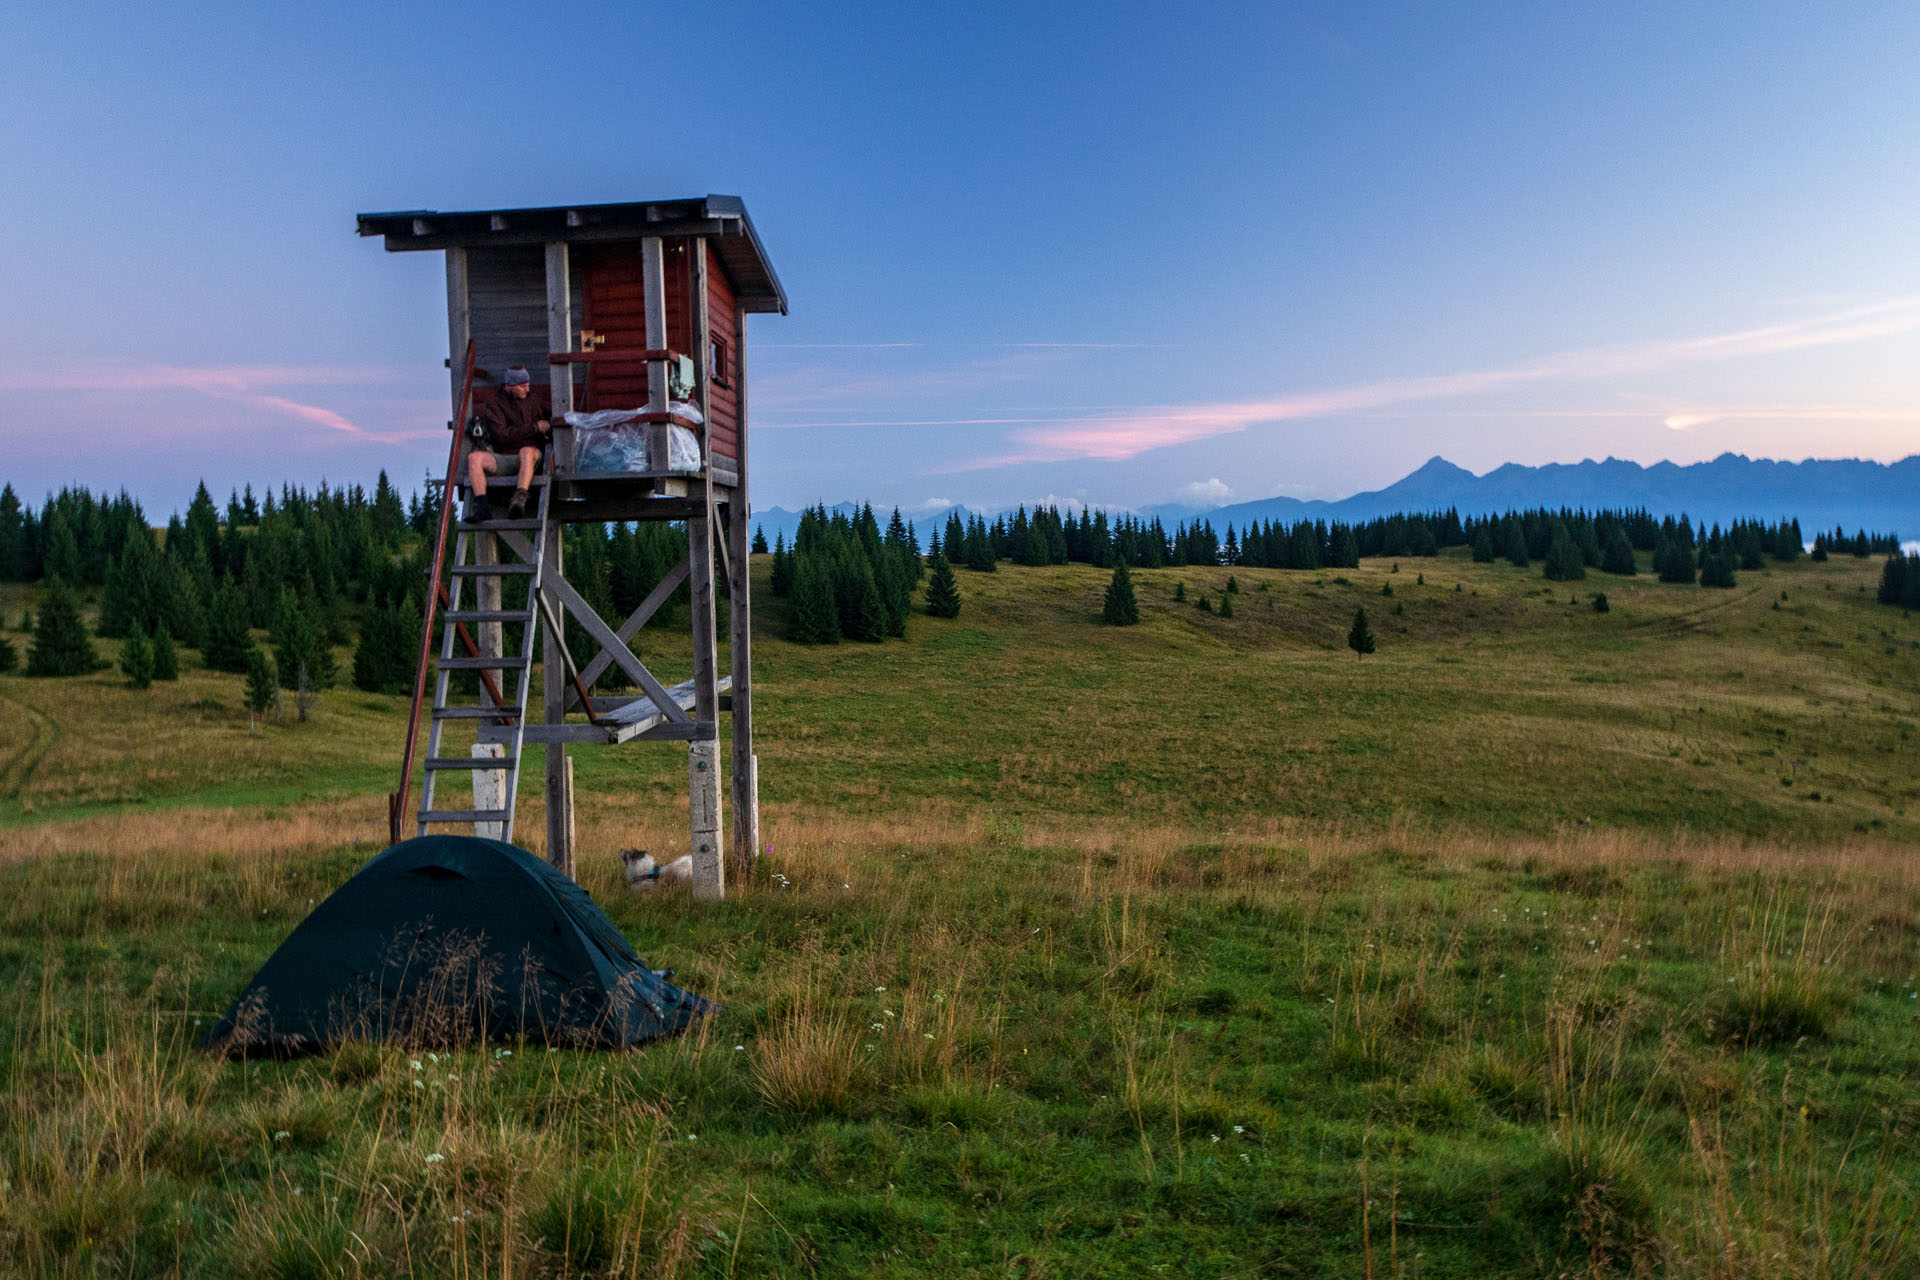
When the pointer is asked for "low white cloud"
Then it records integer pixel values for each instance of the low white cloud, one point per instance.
(1212, 492)
(935, 504)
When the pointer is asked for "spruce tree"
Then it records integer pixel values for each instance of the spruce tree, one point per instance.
(384, 657)
(782, 567)
(1360, 635)
(759, 540)
(1517, 544)
(1120, 608)
(1564, 561)
(297, 643)
(1618, 558)
(1179, 593)
(136, 657)
(9, 656)
(869, 621)
(61, 646)
(943, 592)
(1226, 605)
(816, 618)
(1893, 579)
(1483, 547)
(1674, 561)
(166, 660)
(227, 639)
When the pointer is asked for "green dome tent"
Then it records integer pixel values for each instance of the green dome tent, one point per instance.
(451, 939)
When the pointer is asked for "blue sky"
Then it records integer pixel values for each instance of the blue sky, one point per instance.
(1115, 253)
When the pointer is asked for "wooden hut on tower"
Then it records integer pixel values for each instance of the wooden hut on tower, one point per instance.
(634, 313)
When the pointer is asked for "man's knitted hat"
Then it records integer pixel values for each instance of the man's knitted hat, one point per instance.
(516, 376)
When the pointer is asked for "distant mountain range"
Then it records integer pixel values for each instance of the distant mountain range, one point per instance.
(1820, 492)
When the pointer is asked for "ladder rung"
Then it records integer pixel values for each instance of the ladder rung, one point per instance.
(489, 615)
(475, 713)
(480, 570)
(482, 664)
(495, 526)
(465, 815)
(472, 762)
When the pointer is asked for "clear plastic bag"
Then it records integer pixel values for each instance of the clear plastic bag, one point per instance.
(616, 440)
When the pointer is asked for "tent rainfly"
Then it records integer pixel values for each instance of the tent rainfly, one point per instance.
(453, 939)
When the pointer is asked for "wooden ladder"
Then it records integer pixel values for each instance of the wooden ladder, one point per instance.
(500, 720)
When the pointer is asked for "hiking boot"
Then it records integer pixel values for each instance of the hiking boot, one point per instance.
(479, 510)
(518, 507)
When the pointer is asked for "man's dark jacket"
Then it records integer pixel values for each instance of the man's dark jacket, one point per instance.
(512, 423)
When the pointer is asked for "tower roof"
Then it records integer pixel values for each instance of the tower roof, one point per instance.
(722, 219)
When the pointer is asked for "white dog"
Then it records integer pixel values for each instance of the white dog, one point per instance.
(644, 875)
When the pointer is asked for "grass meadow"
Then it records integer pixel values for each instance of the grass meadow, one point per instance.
(1542, 942)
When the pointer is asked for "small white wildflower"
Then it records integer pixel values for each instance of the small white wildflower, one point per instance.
(879, 989)
(1239, 1128)
(739, 1048)
(1245, 1158)
(418, 1084)
(434, 1157)
(693, 1137)
(281, 1135)
(926, 1035)
(879, 1026)
(433, 1057)
(415, 1064)
(1213, 1137)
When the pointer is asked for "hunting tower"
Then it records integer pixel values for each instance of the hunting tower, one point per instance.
(637, 307)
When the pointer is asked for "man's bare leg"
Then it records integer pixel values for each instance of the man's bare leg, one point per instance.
(480, 464)
(518, 507)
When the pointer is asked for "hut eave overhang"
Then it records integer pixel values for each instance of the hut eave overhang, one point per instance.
(722, 219)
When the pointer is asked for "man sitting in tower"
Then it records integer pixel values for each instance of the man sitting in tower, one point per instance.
(509, 423)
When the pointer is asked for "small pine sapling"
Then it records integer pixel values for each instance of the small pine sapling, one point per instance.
(943, 592)
(1120, 609)
(166, 659)
(136, 657)
(1360, 635)
(1179, 593)
(263, 685)
(1206, 605)
(1600, 604)
(1386, 588)
(1233, 585)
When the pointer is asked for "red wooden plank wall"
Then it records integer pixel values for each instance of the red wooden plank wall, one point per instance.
(613, 304)
(722, 400)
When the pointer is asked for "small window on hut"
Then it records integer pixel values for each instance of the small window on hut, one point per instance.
(717, 364)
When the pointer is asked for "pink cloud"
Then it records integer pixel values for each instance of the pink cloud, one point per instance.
(1124, 435)
(242, 384)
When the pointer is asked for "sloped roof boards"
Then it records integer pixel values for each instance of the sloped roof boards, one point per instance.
(722, 220)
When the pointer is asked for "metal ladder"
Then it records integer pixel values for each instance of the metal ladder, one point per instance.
(501, 720)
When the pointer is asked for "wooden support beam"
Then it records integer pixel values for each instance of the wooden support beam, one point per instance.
(653, 288)
(459, 328)
(745, 850)
(611, 646)
(559, 770)
(703, 754)
(636, 620)
(560, 335)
